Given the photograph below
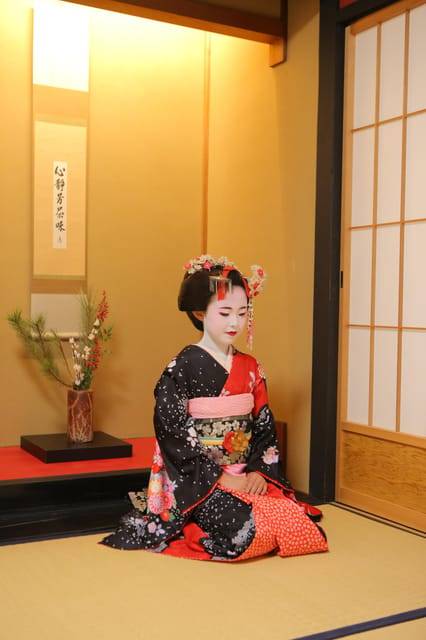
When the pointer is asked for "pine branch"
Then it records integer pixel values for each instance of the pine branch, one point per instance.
(60, 347)
(32, 334)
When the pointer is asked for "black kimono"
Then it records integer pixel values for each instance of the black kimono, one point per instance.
(209, 420)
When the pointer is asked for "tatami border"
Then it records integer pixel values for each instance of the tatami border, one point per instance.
(369, 625)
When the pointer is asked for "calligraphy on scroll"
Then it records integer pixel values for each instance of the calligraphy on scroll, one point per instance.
(60, 180)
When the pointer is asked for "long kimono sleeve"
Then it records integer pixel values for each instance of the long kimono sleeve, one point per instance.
(193, 476)
(264, 455)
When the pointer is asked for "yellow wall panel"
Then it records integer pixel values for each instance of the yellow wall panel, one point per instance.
(296, 85)
(262, 205)
(28, 400)
(144, 202)
(144, 208)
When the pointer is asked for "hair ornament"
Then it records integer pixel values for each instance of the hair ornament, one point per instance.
(257, 280)
(255, 286)
(220, 284)
(207, 262)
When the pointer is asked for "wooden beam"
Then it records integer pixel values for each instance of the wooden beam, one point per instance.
(198, 15)
(277, 52)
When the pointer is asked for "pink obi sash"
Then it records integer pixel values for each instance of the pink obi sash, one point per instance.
(235, 469)
(221, 406)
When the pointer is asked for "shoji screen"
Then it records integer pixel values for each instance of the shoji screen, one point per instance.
(383, 315)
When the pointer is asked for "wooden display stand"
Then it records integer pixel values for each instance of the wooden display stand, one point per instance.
(56, 447)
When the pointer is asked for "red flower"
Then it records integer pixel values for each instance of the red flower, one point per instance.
(228, 442)
(236, 441)
(165, 515)
(102, 308)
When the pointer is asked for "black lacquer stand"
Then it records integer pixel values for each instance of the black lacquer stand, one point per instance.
(55, 447)
(38, 508)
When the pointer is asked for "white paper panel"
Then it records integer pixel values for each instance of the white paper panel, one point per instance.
(389, 172)
(415, 194)
(61, 45)
(62, 311)
(362, 177)
(414, 303)
(392, 67)
(358, 375)
(417, 60)
(365, 77)
(360, 277)
(387, 275)
(384, 383)
(413, 395)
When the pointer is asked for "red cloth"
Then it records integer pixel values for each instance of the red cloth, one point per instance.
(189, 547)
(282, 527)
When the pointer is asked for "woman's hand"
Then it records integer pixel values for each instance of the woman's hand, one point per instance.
(256, 484)
(238, 483)
(252, 483)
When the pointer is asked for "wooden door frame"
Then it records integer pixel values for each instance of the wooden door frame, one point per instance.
(333, 22)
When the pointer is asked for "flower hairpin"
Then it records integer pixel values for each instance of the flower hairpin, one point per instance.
(257, 280)
(255, 286)
(207, 262)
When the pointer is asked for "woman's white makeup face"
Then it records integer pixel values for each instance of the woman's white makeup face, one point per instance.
(224, 320)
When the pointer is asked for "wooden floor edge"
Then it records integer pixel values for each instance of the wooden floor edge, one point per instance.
(377, 518)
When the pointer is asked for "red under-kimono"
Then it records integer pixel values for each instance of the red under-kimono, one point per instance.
(209, 420)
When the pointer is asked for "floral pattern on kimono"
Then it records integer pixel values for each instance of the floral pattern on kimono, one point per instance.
(190, 453)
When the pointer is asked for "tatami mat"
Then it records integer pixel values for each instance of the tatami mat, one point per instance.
(74, 589)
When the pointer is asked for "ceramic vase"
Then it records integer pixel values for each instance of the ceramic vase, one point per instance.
(80, 415)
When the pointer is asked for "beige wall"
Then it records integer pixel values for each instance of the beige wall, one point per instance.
(144, 208)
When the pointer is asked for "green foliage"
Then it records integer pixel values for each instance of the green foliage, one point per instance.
(42, 345)
(47, 347)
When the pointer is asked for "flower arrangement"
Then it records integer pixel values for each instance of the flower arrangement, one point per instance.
(46, 346)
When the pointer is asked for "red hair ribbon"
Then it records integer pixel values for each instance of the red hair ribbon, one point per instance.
(222, 288)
